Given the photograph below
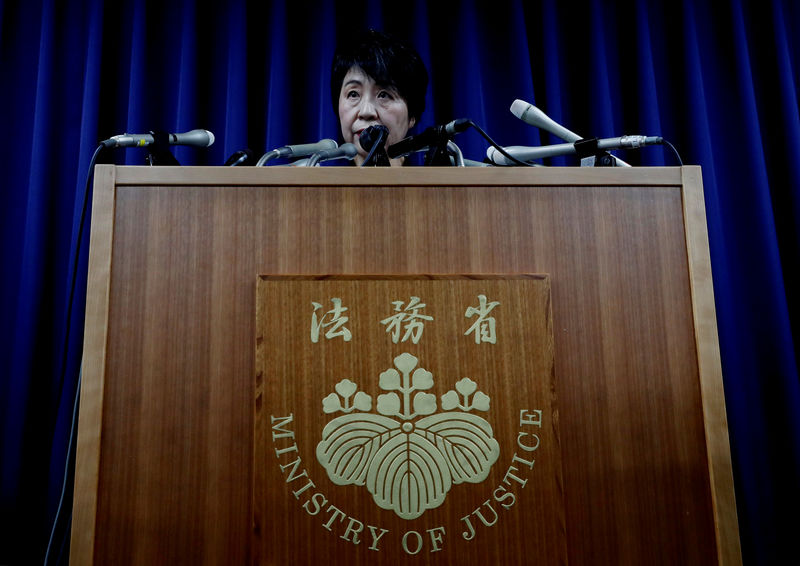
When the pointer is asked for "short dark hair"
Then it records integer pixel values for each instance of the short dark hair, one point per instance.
(389, 61)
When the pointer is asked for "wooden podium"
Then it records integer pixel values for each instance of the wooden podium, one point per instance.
(177, 458)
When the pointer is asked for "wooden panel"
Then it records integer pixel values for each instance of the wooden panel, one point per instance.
(399, 177)
(175, 468)
(505, 482)
(87, 462)
(710, 368)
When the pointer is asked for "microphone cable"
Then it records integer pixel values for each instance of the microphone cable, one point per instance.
(494, 144)
(72, 428)
(377, 144)
(65, 351)
(674, 151)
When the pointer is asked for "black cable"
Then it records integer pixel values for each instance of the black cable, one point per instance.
(65, 351)
(371, 153)
(674, 151)
(76, 260)
(377, 143)
(66, 468)
(497, 147)
(64, 546)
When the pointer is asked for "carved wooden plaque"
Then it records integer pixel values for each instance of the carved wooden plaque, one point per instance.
(406, 420)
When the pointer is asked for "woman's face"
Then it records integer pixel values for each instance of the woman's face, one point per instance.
(364, 103)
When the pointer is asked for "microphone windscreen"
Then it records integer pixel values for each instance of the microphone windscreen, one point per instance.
(518, 108)
(532, 116)
(371, 135)
(196, 138)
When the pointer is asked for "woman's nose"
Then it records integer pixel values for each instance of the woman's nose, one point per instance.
(366, 110)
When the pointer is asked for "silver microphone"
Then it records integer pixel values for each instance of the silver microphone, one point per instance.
(344, 151)
(531, 115)
(196, 138)
(298, 150)
(530, 153)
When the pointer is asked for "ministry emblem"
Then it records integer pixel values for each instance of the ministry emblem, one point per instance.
(406, 420)
(408, 456)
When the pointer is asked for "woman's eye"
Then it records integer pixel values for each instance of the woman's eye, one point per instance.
(386, 94)
(352, 94)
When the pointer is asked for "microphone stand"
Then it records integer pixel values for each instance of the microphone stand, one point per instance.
(158, 152)
(590, 156)
(437, 155)
(455, 151)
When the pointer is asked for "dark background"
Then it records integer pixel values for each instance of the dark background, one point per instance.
(718, 82)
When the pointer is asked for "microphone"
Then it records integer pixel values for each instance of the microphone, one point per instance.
(371, 136)
(299, 150)
(196, 138)
(531, 115)
(429, 137)
(372, 140)
(530, 153)
(240, 157)
(346, 150)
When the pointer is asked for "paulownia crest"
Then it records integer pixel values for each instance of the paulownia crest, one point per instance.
(408, 456)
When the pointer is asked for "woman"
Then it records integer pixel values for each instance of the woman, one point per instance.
(377, 79)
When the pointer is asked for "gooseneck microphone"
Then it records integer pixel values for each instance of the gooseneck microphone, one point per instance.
(297, 151)
(196, 138)
(344, 151)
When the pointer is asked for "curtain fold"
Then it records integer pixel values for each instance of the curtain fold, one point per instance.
(719, 80)
(647, 91)
(554, 101)
(185, 114)
(277, 128)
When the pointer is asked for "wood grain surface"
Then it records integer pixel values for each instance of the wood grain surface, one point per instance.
(170, 384)
(296, 499)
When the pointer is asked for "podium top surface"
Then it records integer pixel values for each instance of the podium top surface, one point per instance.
(402, 176)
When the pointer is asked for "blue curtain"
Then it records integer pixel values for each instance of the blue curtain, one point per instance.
(719, 81)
